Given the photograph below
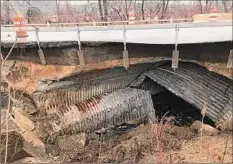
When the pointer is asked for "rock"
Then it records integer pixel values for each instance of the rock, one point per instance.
(15, 141)
(12, 126)
(71, 142)
(24, 127)
(33, 145)
(22, 119)
(35, 151)
(207, 130)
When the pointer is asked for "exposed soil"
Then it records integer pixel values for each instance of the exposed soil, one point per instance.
(153, 143)
(219, 68)
(150, 143)
(25, 76)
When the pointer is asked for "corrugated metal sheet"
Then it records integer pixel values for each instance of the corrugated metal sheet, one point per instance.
(103, 111)
(83, 86)
(196, 85)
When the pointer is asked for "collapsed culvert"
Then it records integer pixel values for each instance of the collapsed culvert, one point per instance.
(190, 82)
(168, 105)
(207, 91)
(101, 98)
(83, 86)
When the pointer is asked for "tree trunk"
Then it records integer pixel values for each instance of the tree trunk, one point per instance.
(58, 9)
(100, 10)
(164, 8)
(105, 10)
(69, 12)
(142, 9)
(200, 6)
(126, 10)
(8, 12)
(224, 3)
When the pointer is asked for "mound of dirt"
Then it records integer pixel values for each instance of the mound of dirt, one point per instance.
(130, 146)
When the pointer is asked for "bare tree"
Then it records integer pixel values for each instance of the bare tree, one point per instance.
(226, 4)
(208, 5)
(205, 5)
(164, 8)
(58, 9)
(69, 12)
(100, 10)
(117, 6)
(33, 13)
(8, 12)
(200, 6)
(105, 6)
(142, 10)
(126, 10)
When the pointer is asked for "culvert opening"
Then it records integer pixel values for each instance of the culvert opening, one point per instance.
(167, 104)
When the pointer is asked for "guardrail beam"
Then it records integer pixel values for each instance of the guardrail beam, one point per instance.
(104, 23)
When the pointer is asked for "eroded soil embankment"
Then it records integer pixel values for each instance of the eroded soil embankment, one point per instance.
(25, 76)
(178, 144)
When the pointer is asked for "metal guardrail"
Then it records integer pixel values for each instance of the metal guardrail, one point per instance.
(121, 27)
(136, 22)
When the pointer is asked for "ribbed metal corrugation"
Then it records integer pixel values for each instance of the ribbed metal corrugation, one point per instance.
(149, 85)
(84, 86)
(103, 111)
(196, 85)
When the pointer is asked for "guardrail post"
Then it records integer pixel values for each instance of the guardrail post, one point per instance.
(230, 60)
(94, 23)
(125, 52)
(171, 21)
(80, 52)
(40, 51)
(175, 53)
(22, 51)
(47, 23)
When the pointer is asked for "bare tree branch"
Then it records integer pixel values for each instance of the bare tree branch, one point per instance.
(142, 10)
(100, 10)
